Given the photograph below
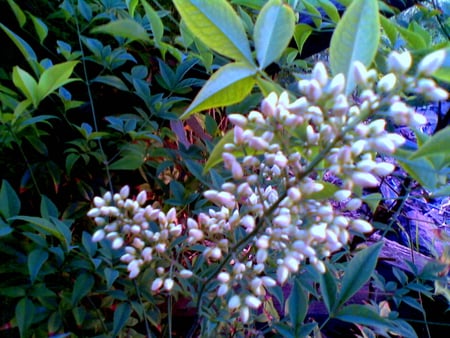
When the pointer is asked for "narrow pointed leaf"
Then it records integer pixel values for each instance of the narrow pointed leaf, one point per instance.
(155, 22)
(217, 25)
(435, 145)
(54, 77)
(40, 27)
(20, 15)
(273, 31)
(121, 316)
(25, 311)
(82, 286)
(9, 201)
(355, 38)
(328, 288)
(363, 315)
(125, 28)
(216, 155)
(358, 271)
(297, 305)
(23, 46)
(230, 84)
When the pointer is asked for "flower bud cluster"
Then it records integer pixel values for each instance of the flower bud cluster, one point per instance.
(143, 232)
(277, 212)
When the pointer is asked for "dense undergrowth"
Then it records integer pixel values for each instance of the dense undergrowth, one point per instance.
(179, 168)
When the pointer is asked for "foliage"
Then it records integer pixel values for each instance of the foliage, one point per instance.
(97, 95)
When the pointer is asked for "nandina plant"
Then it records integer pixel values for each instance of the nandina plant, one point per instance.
(297, 170)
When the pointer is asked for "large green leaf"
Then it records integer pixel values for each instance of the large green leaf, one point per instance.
(297, 306)
(82, 286)
(155, 22)
(217, 25)
(25, 311)
(125, 28)
(54, 77)
(358, 271)
(363, 315)
(23, 46)
(9, 201)
(328, 288)
(230, 84)
(40, 27)
(355, 38)
(273, 31)
(20, 15)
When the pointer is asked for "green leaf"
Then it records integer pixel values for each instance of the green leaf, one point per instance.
(435, 145)
(358, 271)
(230, 84)
(155, 22)
(330, 9)
(420, 169)
(217, 25)
(27, 84)
(23, 46)
(25, 311)
(111, 80)
(41, 224)
(355, 38)
(443, 73)
(301, 33)
(9, 201)
(390, 29)
(363, 315)
(125, 28)
(328, 287)
(273, 31)
(110, 275)
(253, 4)
(297, 305)
(314, 13)
(20, 15)
(54, 77)
(36, 259)
(268, 87)
(40, 27)
(121, 316)
(414, 40)
(48, 208)
(372, 200)
(82, 286)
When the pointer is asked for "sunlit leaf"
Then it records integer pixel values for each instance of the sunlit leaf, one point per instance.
(230, 84)
(125, 28)
(355, 38)
(217, 25)
(20, 15)
(54, 77)
(40, 27)
(273, 31)
(155, 22)
(27, 84)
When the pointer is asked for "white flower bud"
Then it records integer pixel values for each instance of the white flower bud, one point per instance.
(127, 258)
(222, 290)
(282, 274)
(387, 83)
(298, 106)
(99, 202)
(141, 197)
(223, 277)
(399, 62)
(238, 120)
(94, 212)
(365, 180)
(107, 197)
(320, 267)
(268, 281)
(383, 145)
(244, 314)
(431, 63)
(256, 117)
(320, 73)
(117, 243)
(124, 192)
(234, 302)
(318, 231)
(138, 243)
(341, 221)
(383, 169)
(436, 95)
(360, 73)
(336, 85)
(291, 263)
(261, 255)
(236, 170)
(252, 302)
(342, 195)
(282, 221)
(269, 104)
(134, 268)
(157, 283)
(98, 235)
(361, 225)
(248, 222)
(147, 254)
(376, 127)
(186, 273)
(294, 194)
(353, 204)
(168, 284)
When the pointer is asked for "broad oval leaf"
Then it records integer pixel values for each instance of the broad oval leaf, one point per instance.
(355, 38)
(25, 311)
(230, 84)
(125, 28)
(273, 31)
(217, 25)
(358, 271)
(54, 77)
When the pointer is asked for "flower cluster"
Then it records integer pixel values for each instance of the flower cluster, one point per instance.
(144, 232)
(278, 212)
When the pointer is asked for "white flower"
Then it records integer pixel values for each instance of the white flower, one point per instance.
(94, 212)
(269, 104)
(134, 268)
(117, 243)
(124, 192)
(223, 277)
(320, 73)
(282, 274)
(186, 273)
(365, 180)
(168, 284)
(353, 204)
(222, 290)
(238, 120)
(244, 314)
(360, 73)
(383, 168)
(387, 83)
